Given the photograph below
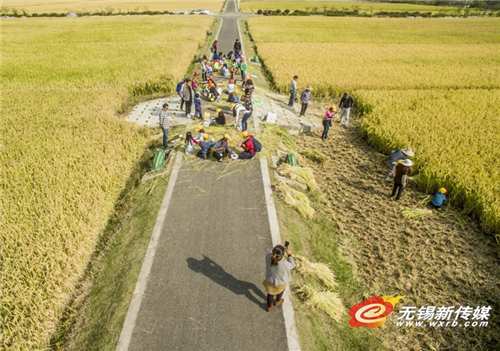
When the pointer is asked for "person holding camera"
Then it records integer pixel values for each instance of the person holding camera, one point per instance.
(278, 274)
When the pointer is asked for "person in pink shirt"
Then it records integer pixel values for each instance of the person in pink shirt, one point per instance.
(327, 121)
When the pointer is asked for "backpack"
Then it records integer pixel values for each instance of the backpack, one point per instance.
(291, 159)
(257, 146)
(158, 160)
(179, 86)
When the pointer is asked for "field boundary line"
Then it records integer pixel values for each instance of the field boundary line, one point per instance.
(288, 313)
(140, 288)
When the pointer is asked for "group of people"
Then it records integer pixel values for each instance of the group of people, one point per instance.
(230, 66)
(400, 168)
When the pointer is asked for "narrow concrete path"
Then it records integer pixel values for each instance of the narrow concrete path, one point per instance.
(204, 288)
(200, 287)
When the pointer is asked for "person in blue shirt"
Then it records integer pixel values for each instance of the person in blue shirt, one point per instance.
(439, 198)
(197, 107)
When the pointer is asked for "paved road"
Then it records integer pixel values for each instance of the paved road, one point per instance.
(204, 289)
(229, 30)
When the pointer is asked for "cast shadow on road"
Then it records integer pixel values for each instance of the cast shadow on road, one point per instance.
(212, 270)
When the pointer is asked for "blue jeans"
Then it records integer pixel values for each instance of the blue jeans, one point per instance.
(246, 116)
(326, 128)
(165, 137)
(345, 112)
(292, 97)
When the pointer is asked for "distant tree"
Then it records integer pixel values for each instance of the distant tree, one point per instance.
(315, 10)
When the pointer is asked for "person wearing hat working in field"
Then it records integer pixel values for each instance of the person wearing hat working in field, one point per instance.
(220, 119)
(403, 169)
(327, 121)
(345, 104)
(395, 157)
(221, 149)
(304, 100)
(248, 146)
(439, 199)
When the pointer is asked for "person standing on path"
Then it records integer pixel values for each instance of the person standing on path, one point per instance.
(293, 90)
(395, 157)
(345, 104)
(249, 88)
(197, 107)
(214, 48)
(277, 274)
(243, 68)
(247, 103)
(187, 96)
(304, 100)
(237, 47)
(164, 124)
(327, 121)
(401, 179)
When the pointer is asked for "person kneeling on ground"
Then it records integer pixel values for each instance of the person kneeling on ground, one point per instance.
(248, 146)
(234, 98)
(277, 274)
(221, 117)
(205, 145)
(221, 149)
(401, 179)
(439, 198)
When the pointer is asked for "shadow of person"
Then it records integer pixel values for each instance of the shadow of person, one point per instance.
(212, 270)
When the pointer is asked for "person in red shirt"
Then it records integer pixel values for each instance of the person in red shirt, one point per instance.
(248, 146)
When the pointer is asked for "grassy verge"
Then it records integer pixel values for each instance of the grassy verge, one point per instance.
(94, 319)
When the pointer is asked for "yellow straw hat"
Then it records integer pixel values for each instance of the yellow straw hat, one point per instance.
(200, 127)
(206, 115)
(442, 191)
(218, 110)
(205, 136)
(232, 106)
(227, 136)
(244, 134)
(333, 108)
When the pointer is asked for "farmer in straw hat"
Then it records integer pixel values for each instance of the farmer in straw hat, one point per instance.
(327, 121)
(277, 274)
(304, 100)
(401, 179)
(395, 157)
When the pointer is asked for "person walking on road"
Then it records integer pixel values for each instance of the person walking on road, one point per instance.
(213, 49)
(293, 90)
(237, 47)
(395, 157)
(327, 121)
(187, 96)
(277, 274)
(304, 100)
(345, 104)
(403, 169)
(164, 124)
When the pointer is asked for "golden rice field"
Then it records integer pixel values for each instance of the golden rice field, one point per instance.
(428, 83)
(59, 6)
(363, 6)
(65, 155)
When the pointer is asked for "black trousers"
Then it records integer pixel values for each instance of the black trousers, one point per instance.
(270, 299)
(397, 188)
(218, 155)
(303, 109)
(188, 107)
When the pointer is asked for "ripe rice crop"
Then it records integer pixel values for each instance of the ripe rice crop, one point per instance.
(66, 157)
(111, 6)
(431, 84)
(254, 6)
